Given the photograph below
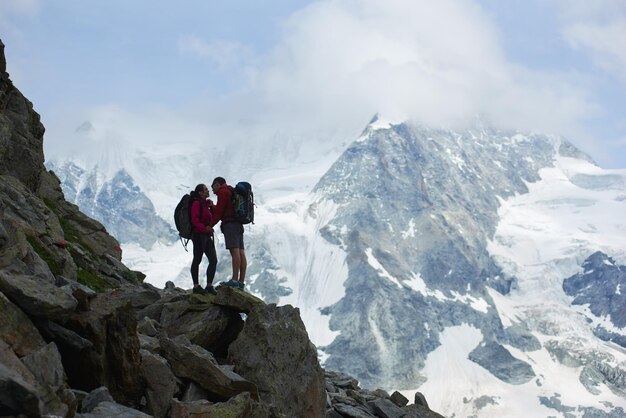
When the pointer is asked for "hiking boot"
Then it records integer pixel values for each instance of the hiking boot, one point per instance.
(199, 290)
(230, 283)
(210, 289)
(241, 285)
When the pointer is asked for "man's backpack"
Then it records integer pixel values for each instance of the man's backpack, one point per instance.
(182, 219)
(243, 202)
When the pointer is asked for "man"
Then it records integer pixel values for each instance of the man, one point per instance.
(232, 230)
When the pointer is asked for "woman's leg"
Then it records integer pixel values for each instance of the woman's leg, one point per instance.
(211, 254)
(197, 257)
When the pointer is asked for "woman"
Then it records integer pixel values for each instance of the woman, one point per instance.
(202, 238)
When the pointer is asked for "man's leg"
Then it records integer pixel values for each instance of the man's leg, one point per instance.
(243, 265)
(236, 261)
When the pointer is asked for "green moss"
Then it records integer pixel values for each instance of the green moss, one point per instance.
(45, 254)
(51, 205)
(72, 235)
(93, 280)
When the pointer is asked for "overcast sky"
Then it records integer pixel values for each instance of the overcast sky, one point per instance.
(153, 71)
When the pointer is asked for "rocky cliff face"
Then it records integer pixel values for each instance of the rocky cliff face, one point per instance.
(80, 335)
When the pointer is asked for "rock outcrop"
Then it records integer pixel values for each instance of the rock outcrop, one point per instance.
(82, 336)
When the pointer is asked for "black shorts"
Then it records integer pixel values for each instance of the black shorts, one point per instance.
(233, 234)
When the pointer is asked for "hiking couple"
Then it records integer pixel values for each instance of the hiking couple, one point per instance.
(204, 216)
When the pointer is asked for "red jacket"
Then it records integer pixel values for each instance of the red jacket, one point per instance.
(201, 223)
(224, 209)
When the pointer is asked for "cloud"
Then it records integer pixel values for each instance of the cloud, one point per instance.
(225, 55)
(335, 63)
(440, 63)
(599, 29)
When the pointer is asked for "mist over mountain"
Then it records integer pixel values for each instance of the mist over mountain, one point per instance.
(437, 260)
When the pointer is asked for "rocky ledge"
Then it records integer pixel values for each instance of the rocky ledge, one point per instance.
(140, 351)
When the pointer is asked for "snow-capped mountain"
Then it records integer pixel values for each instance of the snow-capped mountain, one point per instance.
(463, 264)
(434, 260)
(117, 202)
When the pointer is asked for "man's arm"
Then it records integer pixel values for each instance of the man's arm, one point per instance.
(223, 196)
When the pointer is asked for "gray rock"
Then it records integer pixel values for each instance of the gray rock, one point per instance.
(341, 380)
(148, 327)
(37, 295)
(554, 402)
(420, 400)
(17, 395)
(17, 329)
(519, 337)
(161, 384)
(563, 353)
(142, 297)
(236, 299)
(384, 408)
(114, 359)
(150, 344)
(351, 411)
(95, 397)
(82, 294)
(272, 348)
(598, 287)
(192, 362)
(45, 365)
(499, 362)
(62, 336)
(591, 379)
(108, 409)
(399, 399)
(205, 324)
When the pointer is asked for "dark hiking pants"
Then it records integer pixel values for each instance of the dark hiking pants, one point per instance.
(203, 244)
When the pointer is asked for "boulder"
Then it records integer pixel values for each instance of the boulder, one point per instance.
(356, 411)
(205, 324)
(420, 399)
(141, 297)
(114, 359)
(161, 384)
(17, 329)
(236, 299)
(47, 369)
(384, 408)
(150, 344)
(399, 399)
(37, 295)
(189, 361)
(272, 348)
(148, 327)
(95, 397)
(64, 338)
(83, 294)
(17, 395)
